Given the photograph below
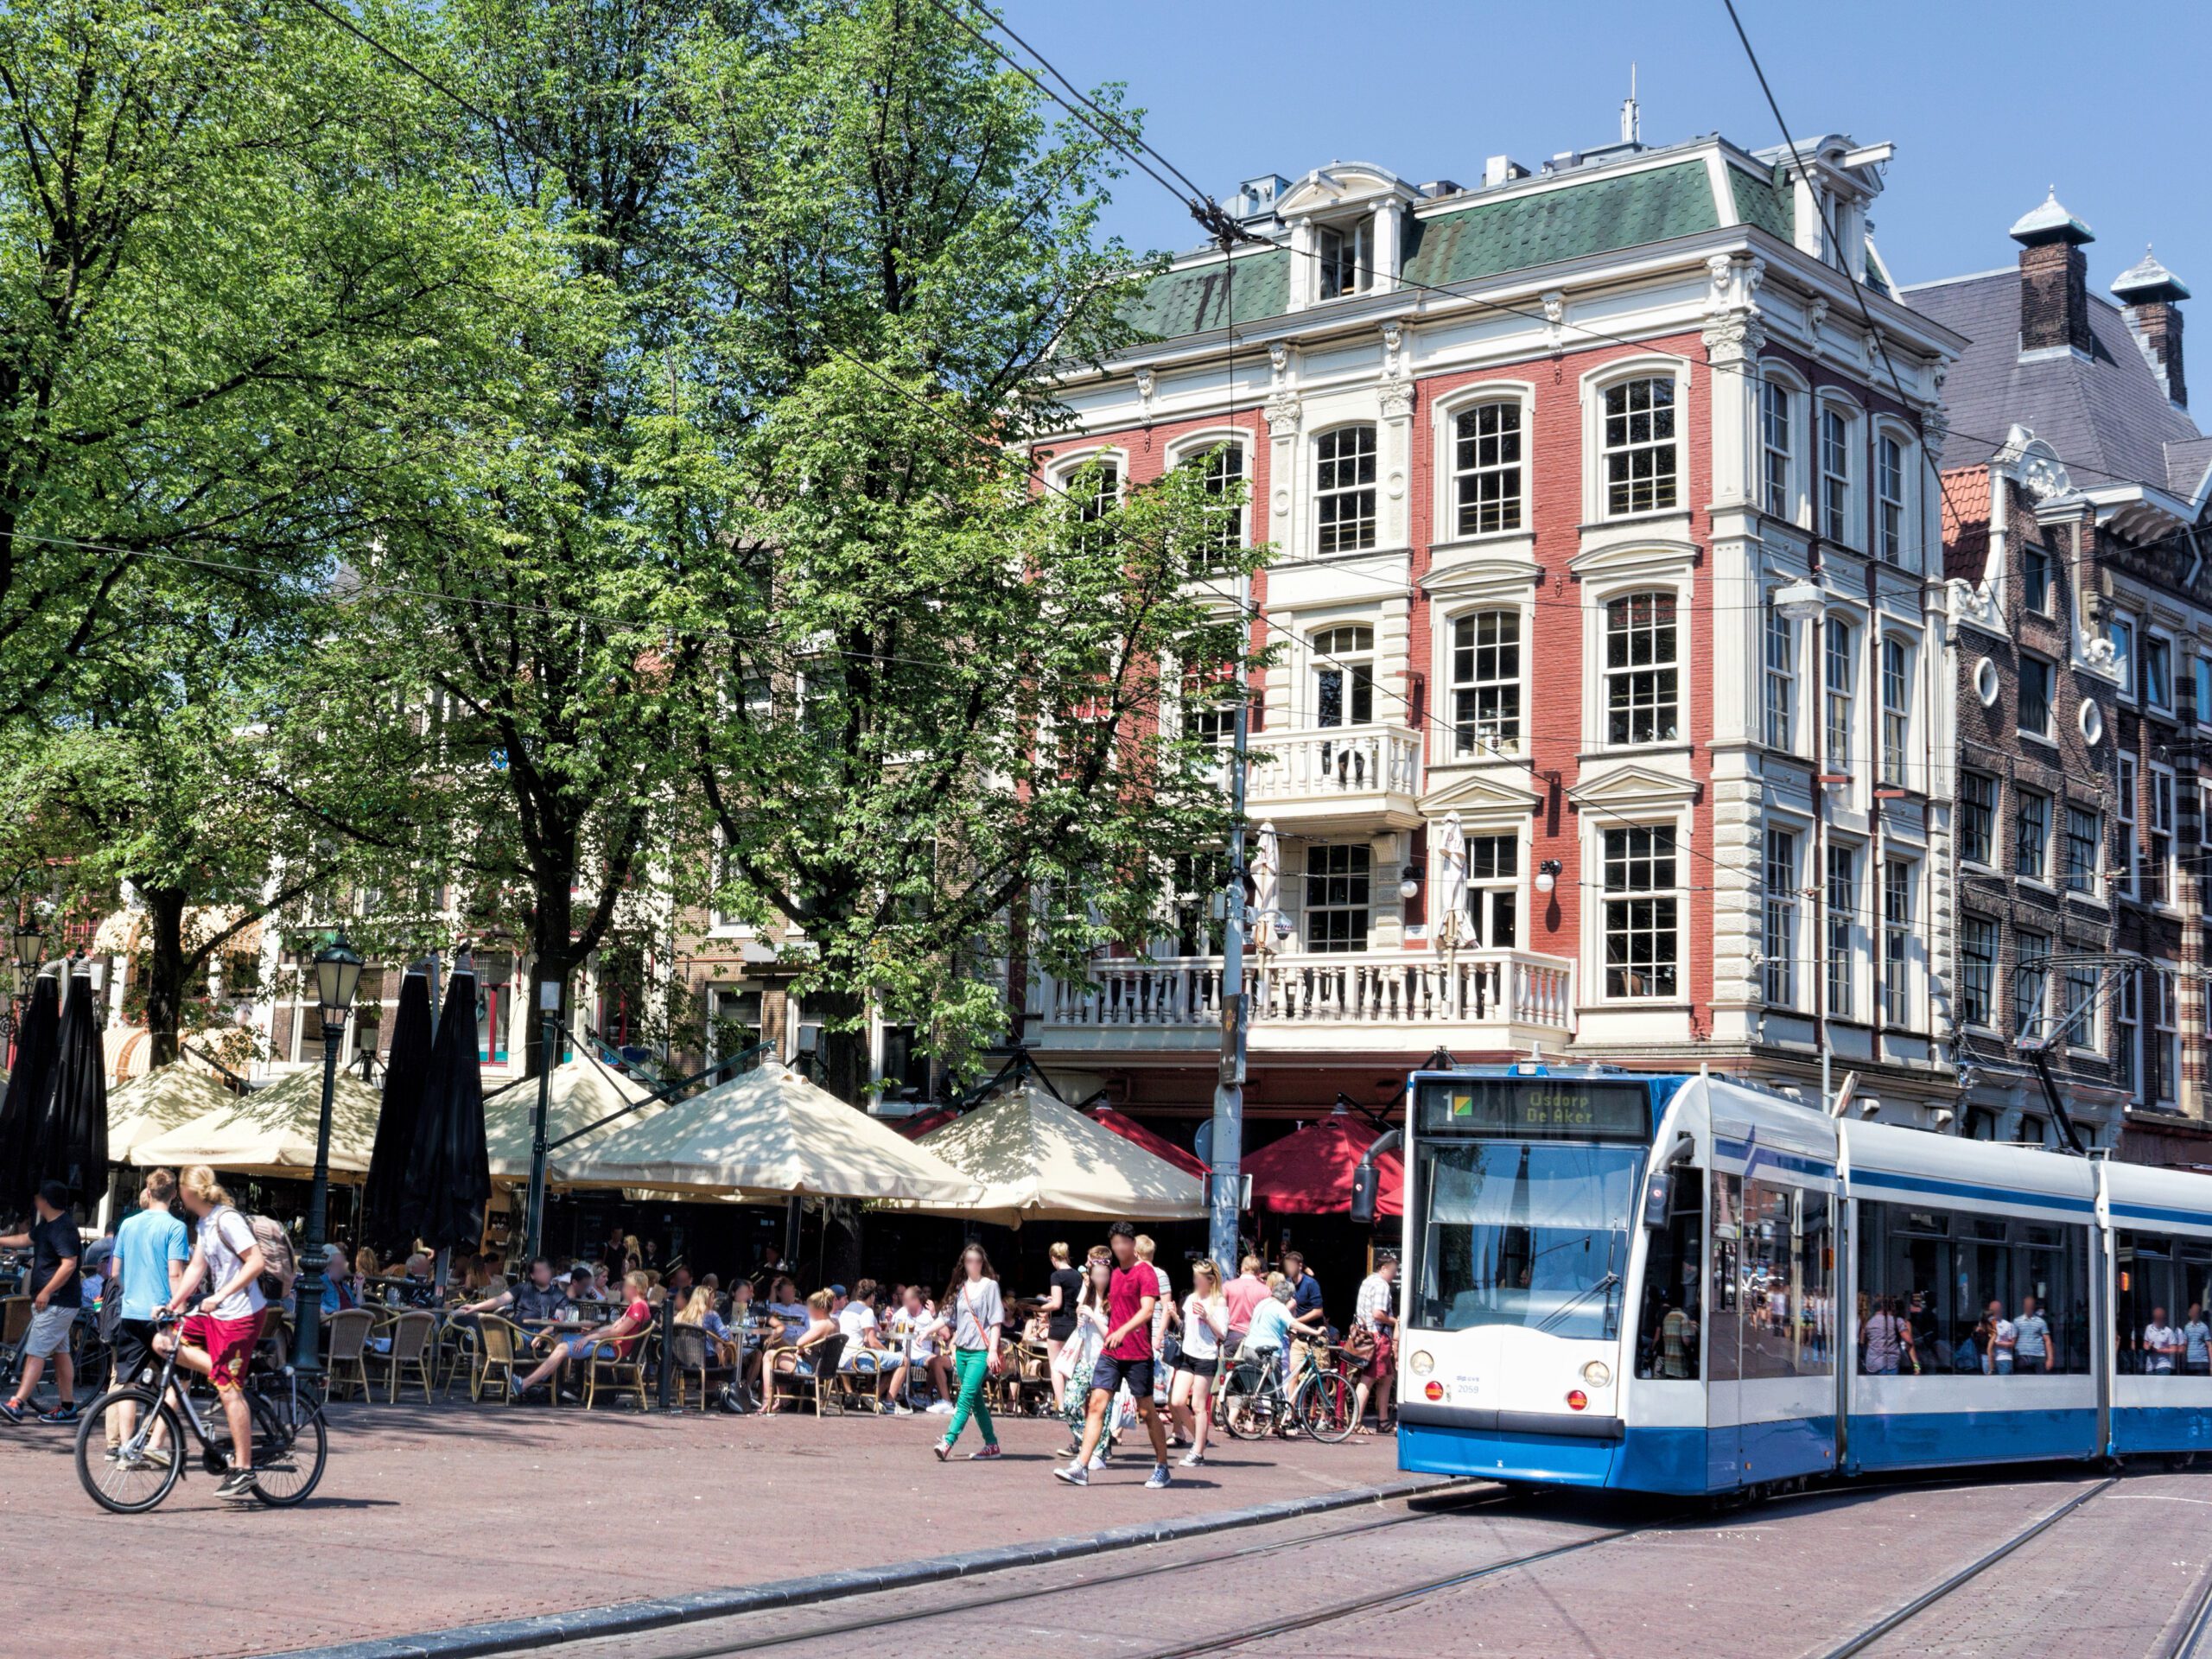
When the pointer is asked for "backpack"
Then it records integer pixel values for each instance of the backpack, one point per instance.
(279, 1266)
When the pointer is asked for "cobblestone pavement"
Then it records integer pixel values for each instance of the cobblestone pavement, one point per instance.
(1772, 1581)
(429, 1517)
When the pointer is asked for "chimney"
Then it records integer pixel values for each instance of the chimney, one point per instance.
(2151, 295)
(2054, 279)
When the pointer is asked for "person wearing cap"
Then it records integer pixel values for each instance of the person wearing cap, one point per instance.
(55, 1251)
(1375, 1317)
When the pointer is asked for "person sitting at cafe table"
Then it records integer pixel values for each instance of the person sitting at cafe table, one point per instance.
(580, 1284)
(795, 1360)
(536, 1297)
(614, 1340)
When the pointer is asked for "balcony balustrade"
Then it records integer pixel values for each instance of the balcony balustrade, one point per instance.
(1342, 777)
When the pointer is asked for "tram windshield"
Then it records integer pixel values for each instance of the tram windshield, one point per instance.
(1533, 1234)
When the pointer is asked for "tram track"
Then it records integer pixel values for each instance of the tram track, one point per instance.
(1449, 1504)
(1966, 1574)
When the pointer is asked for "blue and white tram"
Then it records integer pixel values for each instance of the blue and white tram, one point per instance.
(1684, 1284)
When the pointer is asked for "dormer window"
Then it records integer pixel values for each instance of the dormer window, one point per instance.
(1347, 253)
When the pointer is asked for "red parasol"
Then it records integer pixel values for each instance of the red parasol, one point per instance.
(921, 1123)
(1158, 1146)
(1309, 1173)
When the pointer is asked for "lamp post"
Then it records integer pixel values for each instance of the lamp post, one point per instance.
(27, 948)
(1805, 602)
(549, 1009)
(337, 974)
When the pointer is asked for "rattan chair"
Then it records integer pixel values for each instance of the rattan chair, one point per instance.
(498, 1343)
(343, 1366)
(693, 1353)
(411, 1335)
(823, 1359)
(619, 1375)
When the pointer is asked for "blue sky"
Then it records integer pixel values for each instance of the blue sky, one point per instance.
(1988, 104)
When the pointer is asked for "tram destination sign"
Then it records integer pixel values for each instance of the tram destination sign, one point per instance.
(1541, 1108)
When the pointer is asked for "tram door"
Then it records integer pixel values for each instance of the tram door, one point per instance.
(1724, 1387)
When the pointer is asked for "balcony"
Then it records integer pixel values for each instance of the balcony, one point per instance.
(1342, 778)
(1317, 1003)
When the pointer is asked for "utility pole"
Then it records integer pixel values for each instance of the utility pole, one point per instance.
(549, 1002)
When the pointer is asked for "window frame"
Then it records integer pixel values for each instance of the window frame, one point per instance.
(2031, 818)
(1201, 449)
(2129, 868)
(2073, 876)
(1782, 915)
(1892, 513)
(2030, 966)
(1778, 682)
(1840, 950)
(2161, 837)
(2158, 650)
(2121, 632)
(1839, 695)
(1456, 474)
(1464, 730)
(1370, 487)
(1978, 970)
(1897, 686)
(1352, 256)
(1669, 899)
(2039, 565)
(1326, 655)
(1986, 816)
(1898, 884)
(1668, 675)
(2047, 733)
(1836, 438)
(1597, 388)
(1776, 484)
(1308, 910)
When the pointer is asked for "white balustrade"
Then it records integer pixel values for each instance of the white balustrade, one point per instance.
(1470, 987)
(1338, 760)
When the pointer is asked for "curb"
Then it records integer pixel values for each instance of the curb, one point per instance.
(628, 1618)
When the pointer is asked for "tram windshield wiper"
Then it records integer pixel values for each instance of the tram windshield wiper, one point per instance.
(1607, 1282)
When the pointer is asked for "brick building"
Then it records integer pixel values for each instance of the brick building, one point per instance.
(2080, 613)
(1534, 456)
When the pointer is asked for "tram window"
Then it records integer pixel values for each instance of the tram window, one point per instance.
(1668, 1327)
(1923, 1290)
(2162, 1286)
(1785, 1315)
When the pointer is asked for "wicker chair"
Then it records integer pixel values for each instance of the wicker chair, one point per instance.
(823, 1359)
(498, 1343)
(619, 1375)
(343, 1366)
(692, 1353)
(411, 1337)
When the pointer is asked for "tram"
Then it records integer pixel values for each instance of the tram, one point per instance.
(1685, 1284)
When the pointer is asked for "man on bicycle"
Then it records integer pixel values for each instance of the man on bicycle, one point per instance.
(55, 1298)
(151, 1247)
(218, 1340)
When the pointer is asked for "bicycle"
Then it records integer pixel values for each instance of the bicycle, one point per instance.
(1254, 1404)
(290, 1441)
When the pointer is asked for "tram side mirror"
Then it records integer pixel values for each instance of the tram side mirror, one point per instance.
(1366, 1179)
(1658, 1201)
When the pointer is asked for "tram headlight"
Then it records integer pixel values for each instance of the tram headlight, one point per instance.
(1423, 1362)
(1597, 1374)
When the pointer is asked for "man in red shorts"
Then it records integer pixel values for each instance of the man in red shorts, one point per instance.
(218, 1339)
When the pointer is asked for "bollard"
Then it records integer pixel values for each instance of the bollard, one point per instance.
(667, 1358)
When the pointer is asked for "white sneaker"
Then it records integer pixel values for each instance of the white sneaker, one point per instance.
(1073, 1475)
(902, 1410)
(1192, 1460)
(1098, 1458)
(940, 1408)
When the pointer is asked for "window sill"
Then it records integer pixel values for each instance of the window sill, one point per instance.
(2039, 885)
(2050, 743)
(1975, 867)
(2080, 896)
(1655, 515)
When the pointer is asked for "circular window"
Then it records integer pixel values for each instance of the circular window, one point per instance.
(2093, 721)
(1985, 682)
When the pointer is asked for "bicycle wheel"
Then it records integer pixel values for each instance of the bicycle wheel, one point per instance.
(133, 1483)
(1249, 1412)
(1323, 1407)
(290, 1447)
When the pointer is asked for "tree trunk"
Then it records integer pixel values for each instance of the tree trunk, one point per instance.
(165, 909)
(553, 960)
(844, 1072)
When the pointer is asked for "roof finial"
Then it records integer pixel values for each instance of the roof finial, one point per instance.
(1630, 125)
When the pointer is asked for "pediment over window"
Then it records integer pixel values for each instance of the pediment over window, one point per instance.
(1344, 184)
(1480, 577)
(1634, 788)
(1636, 556)
(1484, 796)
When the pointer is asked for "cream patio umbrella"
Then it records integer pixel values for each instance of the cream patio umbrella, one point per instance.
(764, 1136)
(272, 1132)
(166, 1098)
(1040, 1159)
(584, 1090)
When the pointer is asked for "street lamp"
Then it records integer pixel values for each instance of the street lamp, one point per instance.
(28, 949)
(337, 974)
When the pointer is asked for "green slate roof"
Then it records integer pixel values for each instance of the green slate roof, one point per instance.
(1192, 300)
(1542, 228)
(1767, 203)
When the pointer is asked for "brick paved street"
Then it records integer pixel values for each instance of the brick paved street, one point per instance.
(430, 1517)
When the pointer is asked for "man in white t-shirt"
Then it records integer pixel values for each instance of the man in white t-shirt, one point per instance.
(865, 1354)
(2162, 1345)
(218, 1337)
(914, 1333)
(2002, 1335)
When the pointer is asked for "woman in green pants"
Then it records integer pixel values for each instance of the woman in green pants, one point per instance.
(978, 1318)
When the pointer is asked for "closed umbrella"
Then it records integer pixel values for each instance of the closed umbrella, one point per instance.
(406, 1074)
(69, 1134)
(448, 1179)
(35, 1041)
(1267, 889)
(1447, 924)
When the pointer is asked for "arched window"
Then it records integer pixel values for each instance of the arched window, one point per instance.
(1643, 677)
(1221, 467)
(1889, 501)
(1343, 676)
(1639, 445)
(1486, 467)
(1343, 489)
(1486, 684)
(1775, 495)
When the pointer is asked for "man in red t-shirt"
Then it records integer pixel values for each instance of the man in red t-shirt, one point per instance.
(1125, 1356)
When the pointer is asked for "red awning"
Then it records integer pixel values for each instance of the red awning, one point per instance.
(921, 1123)
(1309, 1173)
(1158, 1146)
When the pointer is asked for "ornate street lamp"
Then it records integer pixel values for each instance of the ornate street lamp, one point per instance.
(337, 974)
(28, 950)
